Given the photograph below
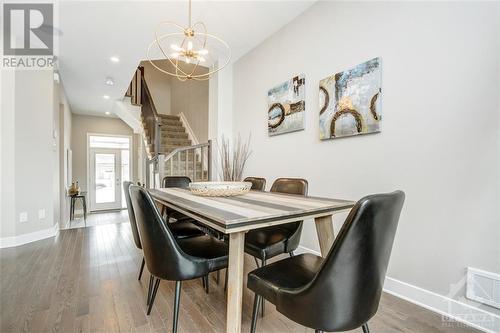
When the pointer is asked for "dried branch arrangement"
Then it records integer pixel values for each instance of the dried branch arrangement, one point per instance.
(232, 163)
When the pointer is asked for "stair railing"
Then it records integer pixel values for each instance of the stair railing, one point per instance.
(150, 118)
(194, 162)
(140, 95)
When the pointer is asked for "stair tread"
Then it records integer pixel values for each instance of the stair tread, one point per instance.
(169, 116)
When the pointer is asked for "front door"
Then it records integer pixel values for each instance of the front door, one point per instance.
(105, 179)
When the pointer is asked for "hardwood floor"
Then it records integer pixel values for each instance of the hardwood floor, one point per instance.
(85, 280)
(99, 218)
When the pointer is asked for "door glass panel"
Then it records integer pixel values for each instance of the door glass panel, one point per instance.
(125, 169)
(109, 142)
(104, 178)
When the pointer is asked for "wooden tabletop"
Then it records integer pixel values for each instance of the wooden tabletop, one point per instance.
(249, 211)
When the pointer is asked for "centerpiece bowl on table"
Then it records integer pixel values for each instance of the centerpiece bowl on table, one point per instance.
(219, 189)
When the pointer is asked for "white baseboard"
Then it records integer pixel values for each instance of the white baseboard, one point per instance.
(451, 310)
(302, 249)
(189, 130)
(30, 237)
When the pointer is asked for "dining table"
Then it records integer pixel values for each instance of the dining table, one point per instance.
(237, 215)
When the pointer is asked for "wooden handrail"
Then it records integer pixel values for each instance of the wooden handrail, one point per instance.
(144, 85)
(181, 149)
(140, 95)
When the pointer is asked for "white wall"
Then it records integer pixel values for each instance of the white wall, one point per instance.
(7, 144)
(64, 139)
(29, 156)
(440, 133)
(220, 112)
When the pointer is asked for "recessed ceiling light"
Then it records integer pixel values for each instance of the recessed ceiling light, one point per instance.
(114, 59)
(109, 81)
(107, 113)
(105, 96)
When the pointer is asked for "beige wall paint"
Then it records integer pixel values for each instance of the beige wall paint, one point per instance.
(440, 133)
(172, 96)
(81, 125)
(191, 98)
(159, 87)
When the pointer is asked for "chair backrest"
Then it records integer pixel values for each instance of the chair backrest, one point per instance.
(164, 259)
(346, 291)
(176, 181)
(297, 186)
(290, 186)
(258, 184)
(131, 214)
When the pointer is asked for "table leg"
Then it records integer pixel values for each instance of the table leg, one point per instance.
(324, 229)
(235, 282)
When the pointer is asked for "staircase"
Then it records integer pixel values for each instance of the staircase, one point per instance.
(185, 159)
(169, 149)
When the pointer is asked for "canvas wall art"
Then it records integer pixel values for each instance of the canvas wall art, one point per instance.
(286, 106)
(350, 101)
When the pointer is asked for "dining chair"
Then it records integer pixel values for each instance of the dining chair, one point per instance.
(266, 243)
(168, 258)
(258, 184)
(133, 223)
(183, 226)
(342, 291)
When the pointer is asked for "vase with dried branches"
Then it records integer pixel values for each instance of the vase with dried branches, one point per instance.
(232, 161)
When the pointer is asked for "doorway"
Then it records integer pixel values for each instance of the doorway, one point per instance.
(109, 165)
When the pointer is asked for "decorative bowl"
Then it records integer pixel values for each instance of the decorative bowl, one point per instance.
(219, 189)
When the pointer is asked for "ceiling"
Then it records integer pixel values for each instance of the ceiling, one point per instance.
(94, 31)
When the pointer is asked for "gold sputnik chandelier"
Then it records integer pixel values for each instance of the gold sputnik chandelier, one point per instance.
(192, 52)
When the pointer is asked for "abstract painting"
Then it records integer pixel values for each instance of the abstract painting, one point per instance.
(350, 101)
(286, 106)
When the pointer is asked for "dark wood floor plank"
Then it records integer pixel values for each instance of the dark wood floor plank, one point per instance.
(85, 280)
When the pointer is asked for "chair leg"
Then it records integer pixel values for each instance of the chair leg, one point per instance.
(256, 305)
(150, 288)
(142, 268)
(256, 262)
(177, 301)
(153, 296)
(206, 283)
(292, 254)
(264, 262)
(203, 283)
(365, 328)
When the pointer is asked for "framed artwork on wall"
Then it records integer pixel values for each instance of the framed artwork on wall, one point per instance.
(286, 106)
(350, 101)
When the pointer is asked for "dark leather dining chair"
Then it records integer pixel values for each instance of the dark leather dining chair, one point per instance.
(341, 292)
(269, 242)
(258, 184)
(133, 223)
(168, 258)
(183, 226)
